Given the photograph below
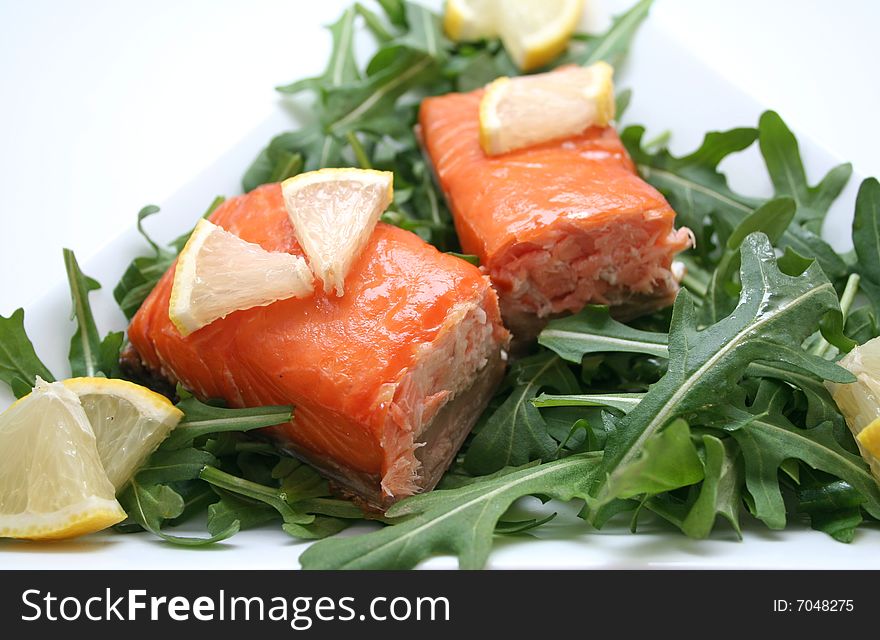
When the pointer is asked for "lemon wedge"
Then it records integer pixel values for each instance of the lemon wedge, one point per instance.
(129, 421)
(218, 273)
(334, 212)
(52, 483)
(859, 402)
(470, 19)
(528, 110)
(533, 32)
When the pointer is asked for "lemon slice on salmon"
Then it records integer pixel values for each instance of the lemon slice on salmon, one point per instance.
(218, 273)
(129, 421)
(334, 212)
(859, 402)
(470, 19)
(52, 483)
(529, 110)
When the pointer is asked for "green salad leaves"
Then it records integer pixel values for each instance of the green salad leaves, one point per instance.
(701, 416)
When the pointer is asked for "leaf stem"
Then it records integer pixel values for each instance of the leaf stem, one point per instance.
(846, 300)
(359, 152)
(849, 294)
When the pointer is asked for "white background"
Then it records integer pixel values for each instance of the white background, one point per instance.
(108, 105)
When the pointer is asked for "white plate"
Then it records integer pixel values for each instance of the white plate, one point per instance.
(690, 101)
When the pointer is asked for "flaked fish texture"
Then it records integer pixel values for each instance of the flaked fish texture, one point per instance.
(558, 225)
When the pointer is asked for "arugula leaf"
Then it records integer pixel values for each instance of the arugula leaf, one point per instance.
(290, 153)
(783, 159)
(357, 105)
(593, 330)
(866, 240)
(613, 45)
(151, 506)
(515, 433)
(667, 460)
(621, 103)
(625, 402)
(767, 438)
(374, 23)
(720, 493)
(772, 218)
(143, 273)
(459, 521)
(201, 419)
(231, 509)
(692, 183)
(820, 405)
(19, 363)
(861, 325)
(342, 66)
(425, 33)
(808, 245)
(395, 10)
(775, 314)
(832, 504)
(467, 257)
(296, 522)
(109, 351)
(85, 345)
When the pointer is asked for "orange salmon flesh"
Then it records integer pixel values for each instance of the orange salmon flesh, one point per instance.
(384, 380)
(558, 225)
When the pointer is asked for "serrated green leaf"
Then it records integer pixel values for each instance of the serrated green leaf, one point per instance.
(151, 505)
(374, 23)
(820, 405)
(85, 345)
(108, 355)
(613, 45)
(170, 466)
(273, 497)
(458, 521)
(808, 244)
(783, 159)
(775, 314)
(768, 438)
(231, 509)
(720, 493)
(144, 272)
(861, 325)
(425, 33)
(19, 363)
(515, 433)
(692, 183)
(592, 330)
(772, 218)
(668, 460)
(834, 506)
(353, 105)
(866, 240)
(341, 67)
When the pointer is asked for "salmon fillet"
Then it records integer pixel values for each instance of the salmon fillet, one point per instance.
(385, 381)
(556, 226)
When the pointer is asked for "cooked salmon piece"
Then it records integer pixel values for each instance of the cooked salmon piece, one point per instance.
(386, 381)
(558, 225)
